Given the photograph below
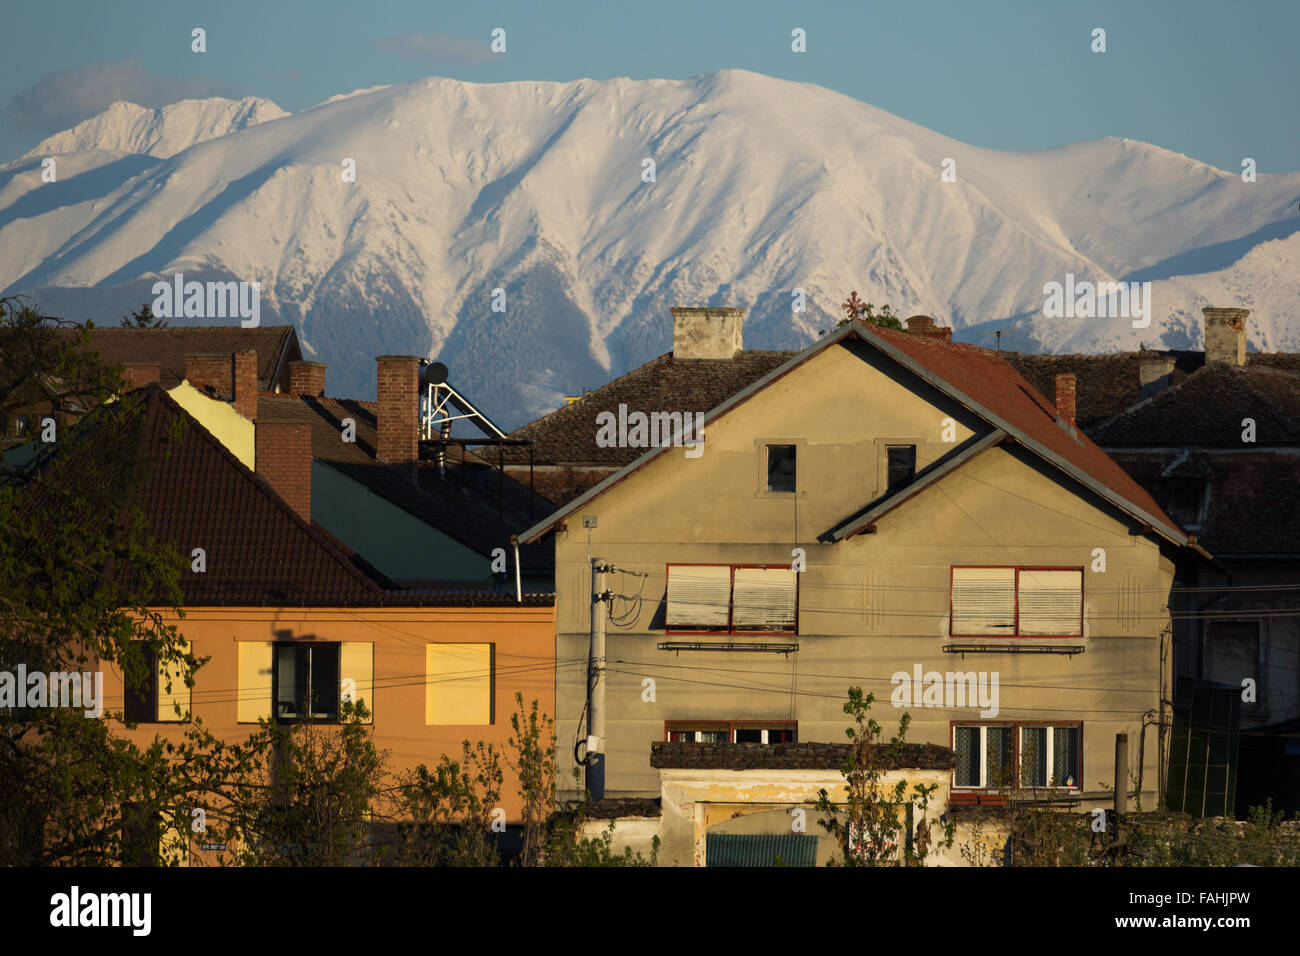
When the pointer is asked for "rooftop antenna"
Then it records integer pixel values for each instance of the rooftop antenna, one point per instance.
(999, 333)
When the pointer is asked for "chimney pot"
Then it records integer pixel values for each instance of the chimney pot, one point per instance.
(1065, 398)
(283, 458)
(399, 411)
(307, 378)
(706, 333)
(1225, 335)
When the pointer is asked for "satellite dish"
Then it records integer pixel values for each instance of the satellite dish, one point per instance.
(435, 373)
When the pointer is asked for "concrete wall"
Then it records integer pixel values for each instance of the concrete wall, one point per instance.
(870, 606)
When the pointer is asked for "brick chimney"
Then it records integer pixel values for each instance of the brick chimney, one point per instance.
(707, 333)
(211, 370)
(283, 458)
(138, 376)
(920, 325)
(399, 410)
(1225, 335)
(307, 378)
(246, 384)
(1065, 395)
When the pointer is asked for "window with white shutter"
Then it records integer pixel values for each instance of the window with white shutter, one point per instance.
(1017, 602)
(764, 599)
(1050, 602)
(984, 601)
(725, 597)
(699, 596)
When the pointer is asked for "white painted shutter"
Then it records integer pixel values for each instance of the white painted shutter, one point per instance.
(698, 596)
(764, 599)
(1050, 602)
(984, 601)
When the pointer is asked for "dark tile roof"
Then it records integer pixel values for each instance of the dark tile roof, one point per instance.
(1109, 384)
(196, 494)
(1207, 407)
(259, 552)
(463, 506)
(1254, 507)
(276, 346)
(568, 435)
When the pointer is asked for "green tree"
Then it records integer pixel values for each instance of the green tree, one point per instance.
(81, 586)
(143, 318)
(875, 816)
(857, 310)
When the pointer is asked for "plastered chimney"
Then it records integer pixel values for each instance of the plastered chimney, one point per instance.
(1225, 335)
(702, 333)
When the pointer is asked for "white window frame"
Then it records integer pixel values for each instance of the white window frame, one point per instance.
(1018, 739)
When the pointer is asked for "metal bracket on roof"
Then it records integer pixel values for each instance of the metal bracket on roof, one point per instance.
(437, 412)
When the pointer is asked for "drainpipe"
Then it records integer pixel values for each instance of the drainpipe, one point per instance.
(519, 588)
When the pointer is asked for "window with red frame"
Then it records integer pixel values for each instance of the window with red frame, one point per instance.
(732, 731)
(1017, 602)
(998, 756)
(732, 599)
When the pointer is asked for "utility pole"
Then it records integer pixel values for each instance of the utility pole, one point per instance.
(596, 683)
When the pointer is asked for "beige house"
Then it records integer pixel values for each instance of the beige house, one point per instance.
(893, 511)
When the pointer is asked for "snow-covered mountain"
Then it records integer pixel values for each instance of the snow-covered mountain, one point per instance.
(760, 187)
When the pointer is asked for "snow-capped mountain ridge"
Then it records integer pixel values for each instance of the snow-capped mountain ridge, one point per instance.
(760, 187)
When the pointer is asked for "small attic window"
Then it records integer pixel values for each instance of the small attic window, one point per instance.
(1184, 499)
(781, 468)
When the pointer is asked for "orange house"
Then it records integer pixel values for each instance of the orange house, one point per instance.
(291, 618)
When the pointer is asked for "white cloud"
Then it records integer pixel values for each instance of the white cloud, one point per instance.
(66, 97)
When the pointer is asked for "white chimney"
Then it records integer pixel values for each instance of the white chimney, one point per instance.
(707, 333)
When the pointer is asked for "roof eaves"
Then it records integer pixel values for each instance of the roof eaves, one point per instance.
(852, 526)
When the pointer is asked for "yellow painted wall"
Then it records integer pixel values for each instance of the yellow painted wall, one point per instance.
(233, 430)
(869, 606)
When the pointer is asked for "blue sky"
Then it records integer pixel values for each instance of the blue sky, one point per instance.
(1217, 81)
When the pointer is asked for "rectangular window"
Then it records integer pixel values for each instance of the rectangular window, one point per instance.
(781, 468)
(306, 681)
(1017, 602)
(995, 756)
(22, 426)
(902, 466)
(732, 599)
(731, 731)
(459, 684)
(154, 703)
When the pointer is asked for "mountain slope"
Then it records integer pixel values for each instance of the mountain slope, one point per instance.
(761, 187)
